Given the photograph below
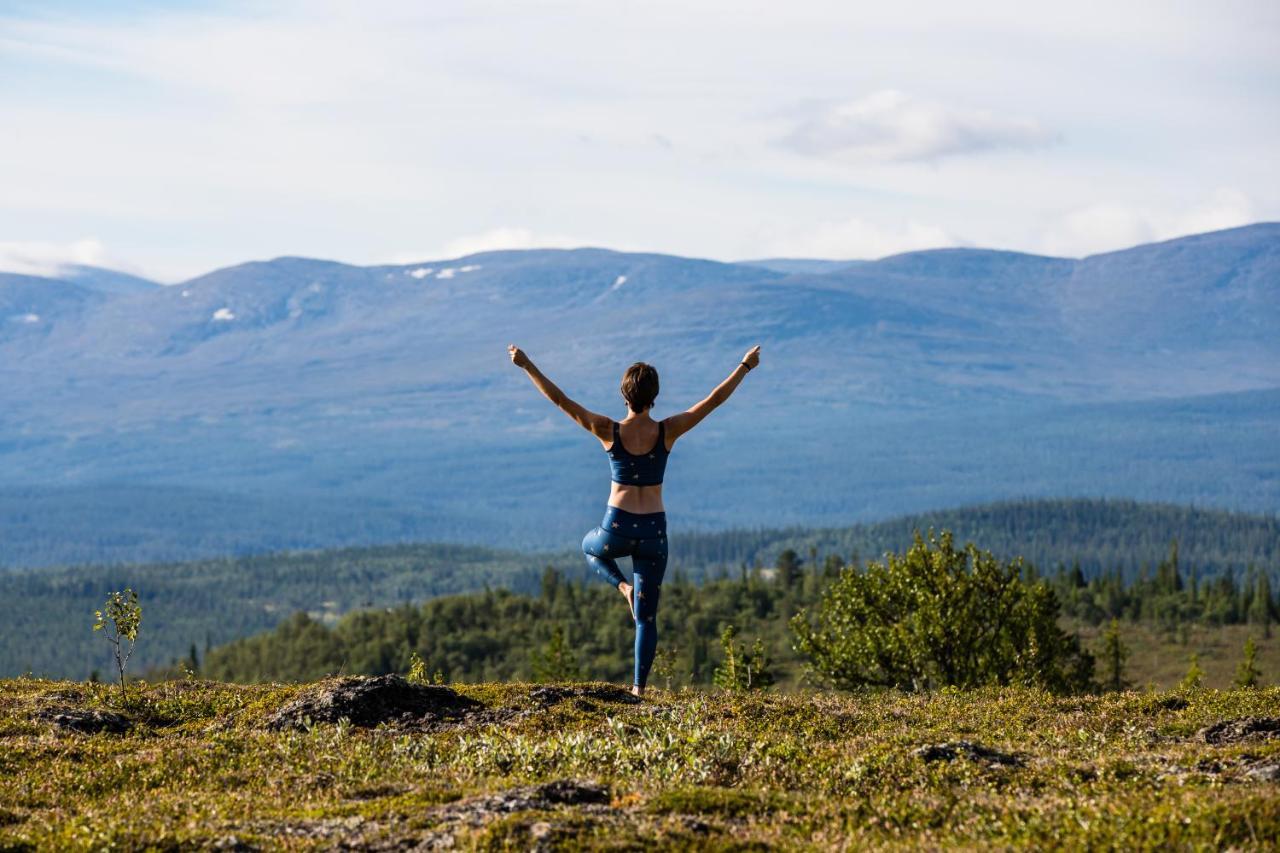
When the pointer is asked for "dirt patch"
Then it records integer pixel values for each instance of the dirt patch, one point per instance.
(83, 720)
(1242, 729)
(951, 750)
(1167, 703)
(368, 701)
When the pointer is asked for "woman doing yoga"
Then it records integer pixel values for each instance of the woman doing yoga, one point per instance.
(635, 524)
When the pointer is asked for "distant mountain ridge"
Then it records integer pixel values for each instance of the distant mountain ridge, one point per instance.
(917, 381)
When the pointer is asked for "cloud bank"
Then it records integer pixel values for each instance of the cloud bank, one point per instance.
(47, 259)
(891, 126)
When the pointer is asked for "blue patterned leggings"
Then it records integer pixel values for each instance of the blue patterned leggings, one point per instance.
(643, 538)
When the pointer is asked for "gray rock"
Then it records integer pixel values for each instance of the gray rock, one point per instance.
(951, 750)
(1268, 772)
(368, 701)
(85, 720)
(1242, 729)
(583, 796)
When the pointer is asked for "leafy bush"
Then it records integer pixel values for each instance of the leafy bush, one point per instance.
(935, 617)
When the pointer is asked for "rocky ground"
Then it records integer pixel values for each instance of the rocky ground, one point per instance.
(385, 764)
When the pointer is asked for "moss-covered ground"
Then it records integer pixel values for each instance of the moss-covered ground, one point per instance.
(689, 769)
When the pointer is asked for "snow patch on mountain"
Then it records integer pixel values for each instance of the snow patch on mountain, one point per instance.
(223, 315)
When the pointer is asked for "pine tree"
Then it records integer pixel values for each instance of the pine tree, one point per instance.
(556, 661)
(742, 671)
(1114, 654)
(788, 568)
(729, 675)
(1194, 676)
(1247, 674)
(1260, 609)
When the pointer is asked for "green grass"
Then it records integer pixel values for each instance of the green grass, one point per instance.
(1159, 658)
(685, 769)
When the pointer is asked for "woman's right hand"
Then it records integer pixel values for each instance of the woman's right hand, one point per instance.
(752, 358)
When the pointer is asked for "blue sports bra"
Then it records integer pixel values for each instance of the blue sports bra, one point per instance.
(645, 469)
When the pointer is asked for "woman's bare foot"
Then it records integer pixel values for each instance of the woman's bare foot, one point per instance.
(626, 589)
(637, 691)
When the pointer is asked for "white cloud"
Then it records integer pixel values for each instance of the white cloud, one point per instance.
(1108, 225)
(36, 258)
(857, 239)
(434, 121)
(1228, 208)
(490, 241)
(890, 126)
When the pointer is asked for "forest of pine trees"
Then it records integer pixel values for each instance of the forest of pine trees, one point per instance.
(581, 627)
(1170, 596)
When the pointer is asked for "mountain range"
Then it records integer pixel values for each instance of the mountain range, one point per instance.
(305, 403)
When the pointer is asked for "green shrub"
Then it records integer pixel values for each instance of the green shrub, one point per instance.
(935, 617)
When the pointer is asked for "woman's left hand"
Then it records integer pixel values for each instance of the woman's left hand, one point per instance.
(518, 358)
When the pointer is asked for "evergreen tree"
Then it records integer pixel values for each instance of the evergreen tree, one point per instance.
(1114, 654)
(740, 670)
(788, 568)
(1247, 674)
(556, 661)
(1194, 676)
(1260, 611)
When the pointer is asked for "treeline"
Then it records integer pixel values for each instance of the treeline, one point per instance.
(585, 628)
(1170, 596)
(1099, 535)
(211, 602)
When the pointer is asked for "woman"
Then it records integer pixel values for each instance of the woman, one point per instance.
(635, 524)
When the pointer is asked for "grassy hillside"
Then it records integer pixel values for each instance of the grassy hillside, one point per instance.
(582, 766)
(46, 612)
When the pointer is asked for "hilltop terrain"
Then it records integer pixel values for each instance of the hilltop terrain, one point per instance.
(386, 764)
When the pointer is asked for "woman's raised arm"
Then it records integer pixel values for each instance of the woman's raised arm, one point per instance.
(678, 425)
(598, 425)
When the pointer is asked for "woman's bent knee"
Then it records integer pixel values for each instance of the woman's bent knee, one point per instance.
(591, 543)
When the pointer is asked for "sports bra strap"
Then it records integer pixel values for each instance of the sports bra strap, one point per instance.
(662, 436)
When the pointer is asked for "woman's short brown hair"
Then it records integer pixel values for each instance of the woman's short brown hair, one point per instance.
(640, 386)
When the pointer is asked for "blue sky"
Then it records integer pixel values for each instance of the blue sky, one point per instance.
(170, 138)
